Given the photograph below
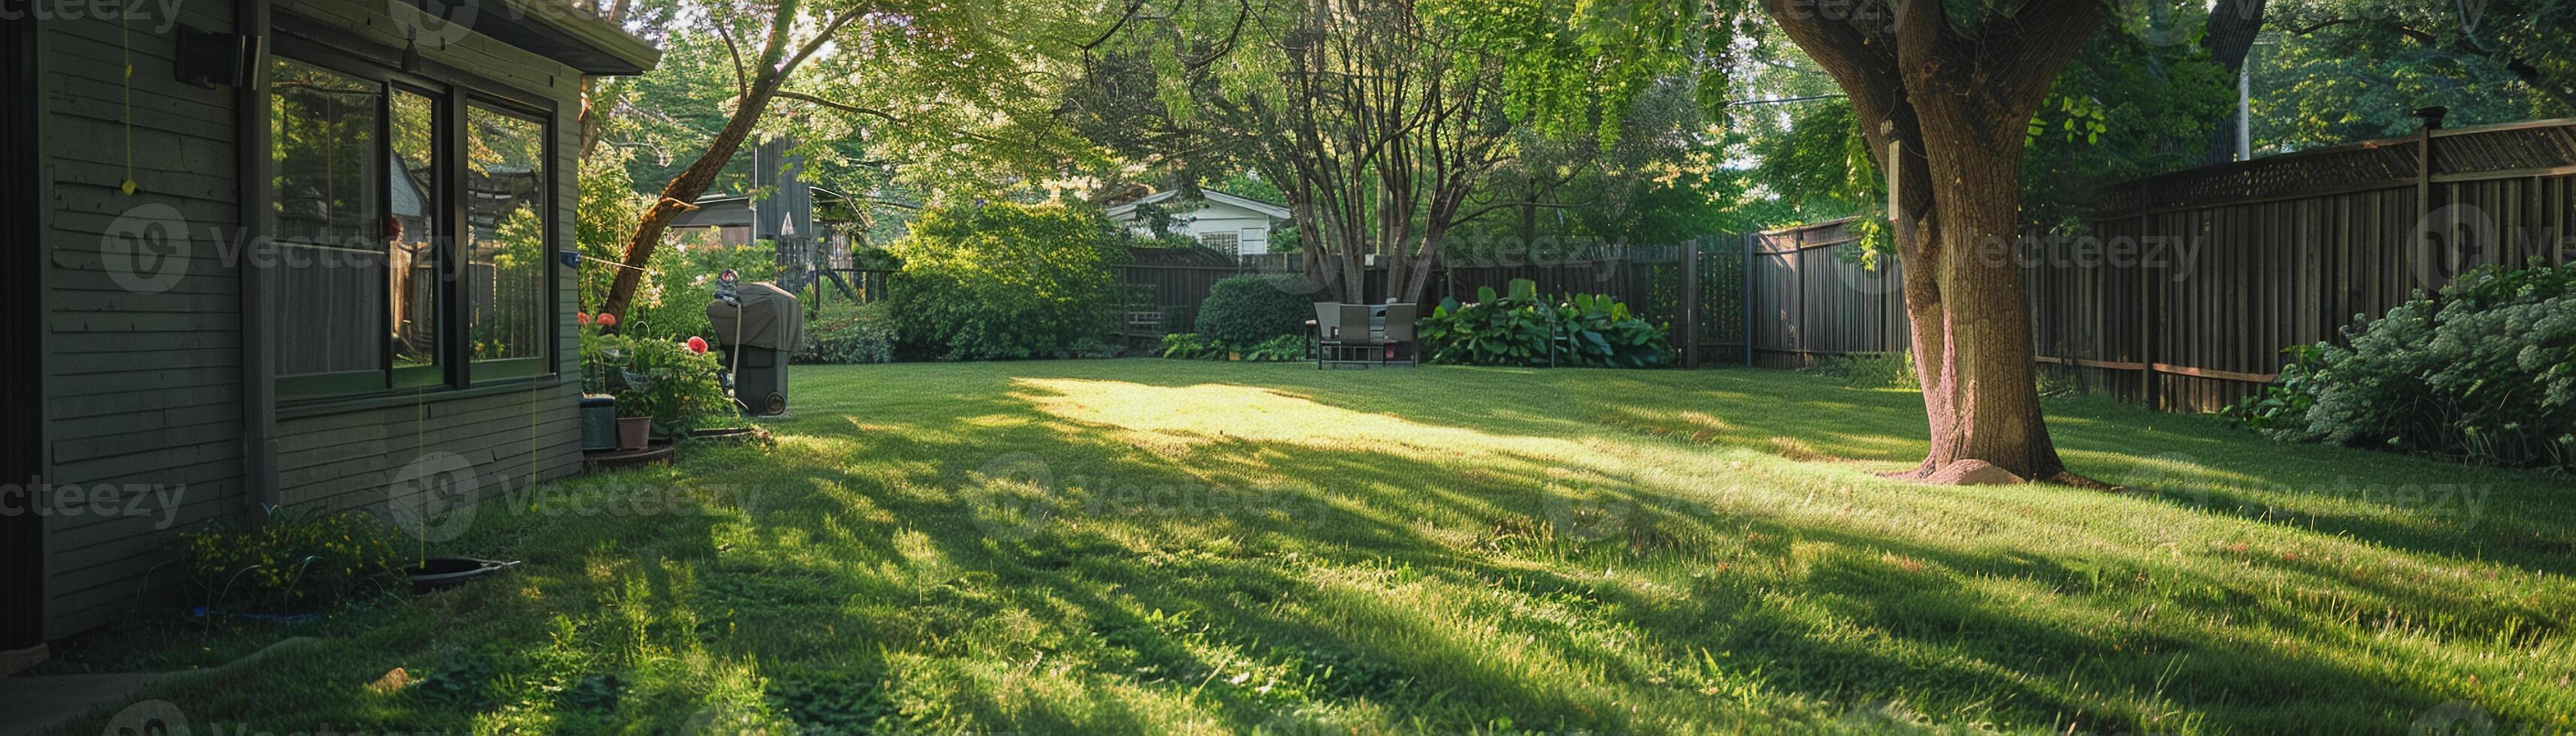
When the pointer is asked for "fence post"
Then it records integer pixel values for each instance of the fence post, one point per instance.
(1690, 303)
(2147, 383)
(1747, 252)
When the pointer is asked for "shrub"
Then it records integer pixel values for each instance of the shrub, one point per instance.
(1194, 346)
(1191, 346)
(842, 332)
(997, 281)
(1279, 349)
(1872, 370)
(680, 388)
(1242, 311)
(292, 564)
(602, 222)
(1522, 330)
(681, 280)
(2485, 371)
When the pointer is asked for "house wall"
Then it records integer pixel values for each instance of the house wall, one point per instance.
(1251, 228)
(144, 387)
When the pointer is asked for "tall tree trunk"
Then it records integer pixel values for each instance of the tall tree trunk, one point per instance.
(2232, 27)
(1954, 96)
(682, 194)
(1983, 382)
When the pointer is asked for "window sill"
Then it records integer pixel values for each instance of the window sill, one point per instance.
(327, 405)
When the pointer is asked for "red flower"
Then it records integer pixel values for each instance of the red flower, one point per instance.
(698, 345)
(607, 320)
(581, 317)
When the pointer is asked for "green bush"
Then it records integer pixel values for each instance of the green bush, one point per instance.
(1279, 349)
(1242, 311)
(602, 222)
(294, 563)
(2484, 371)
(680, 281)
(1519, 329)
(1872, 370)
(1001, 280)
(842, 332)
(1192, 346)
(680, 388)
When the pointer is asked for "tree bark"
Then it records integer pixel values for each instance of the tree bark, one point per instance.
(774, 66)
(1952, 97)
(2229, 38)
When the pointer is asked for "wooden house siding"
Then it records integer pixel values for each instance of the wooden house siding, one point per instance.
(142, 389)
(147, 389)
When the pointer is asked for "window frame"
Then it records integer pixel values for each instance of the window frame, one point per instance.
(452, 93)
(484, 371)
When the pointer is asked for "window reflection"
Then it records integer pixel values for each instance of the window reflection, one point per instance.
(506, 253)
(328, 220)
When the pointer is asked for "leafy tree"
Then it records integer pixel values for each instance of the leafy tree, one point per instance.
(926, 76)
(1006, 280)
(2526, 38)
(1377, 121)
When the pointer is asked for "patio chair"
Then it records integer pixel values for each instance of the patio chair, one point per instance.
(1341, 331)
(1400, 340)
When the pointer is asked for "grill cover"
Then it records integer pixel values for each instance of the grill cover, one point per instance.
(768, 318)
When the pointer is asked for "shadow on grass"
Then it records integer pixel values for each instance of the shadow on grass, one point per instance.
(1146, 547)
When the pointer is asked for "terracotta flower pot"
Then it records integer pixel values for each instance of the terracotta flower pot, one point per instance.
(634, 433)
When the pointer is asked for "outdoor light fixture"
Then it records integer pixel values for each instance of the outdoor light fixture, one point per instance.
(571, 258)
(215, 59)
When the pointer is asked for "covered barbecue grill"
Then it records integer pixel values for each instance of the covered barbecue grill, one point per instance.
(760, 326)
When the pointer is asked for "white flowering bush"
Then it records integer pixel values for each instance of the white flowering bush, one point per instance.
(2484, 371)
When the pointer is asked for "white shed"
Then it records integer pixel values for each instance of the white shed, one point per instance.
(1225, 222)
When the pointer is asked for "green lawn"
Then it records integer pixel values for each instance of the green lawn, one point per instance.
(1145, 546)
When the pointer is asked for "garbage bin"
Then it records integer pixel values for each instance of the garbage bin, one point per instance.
(760, 328)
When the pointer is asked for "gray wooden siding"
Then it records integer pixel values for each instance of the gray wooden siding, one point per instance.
(145, 388)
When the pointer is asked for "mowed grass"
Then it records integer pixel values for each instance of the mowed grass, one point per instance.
(1145, 546)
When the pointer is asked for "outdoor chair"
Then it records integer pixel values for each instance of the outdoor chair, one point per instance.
(1341, 334)
(1347, 334)
(1399, 340)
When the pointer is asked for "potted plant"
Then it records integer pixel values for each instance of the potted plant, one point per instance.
(607, 369)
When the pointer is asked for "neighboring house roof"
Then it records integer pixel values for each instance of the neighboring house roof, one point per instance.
(1274, 211)
(734, 210)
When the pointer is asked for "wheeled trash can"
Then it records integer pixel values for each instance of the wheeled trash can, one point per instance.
(759, 326)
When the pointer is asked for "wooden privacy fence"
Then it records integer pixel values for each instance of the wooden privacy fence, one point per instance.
(1808, 296)
(2183, 289)
(2190, 284)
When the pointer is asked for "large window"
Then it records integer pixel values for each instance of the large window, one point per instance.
(505, 212)
(326, 131)
(381, 279)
